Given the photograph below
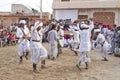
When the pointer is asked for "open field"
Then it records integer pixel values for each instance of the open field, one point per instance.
(63, 68)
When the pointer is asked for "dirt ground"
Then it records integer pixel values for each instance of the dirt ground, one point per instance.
(63, 68)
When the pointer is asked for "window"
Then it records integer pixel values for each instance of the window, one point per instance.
(65, 0)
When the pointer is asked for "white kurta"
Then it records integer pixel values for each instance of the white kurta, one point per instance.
(61, 37)
(71, 43)
(104, 30)
(23, 44)
(85, 44)
(108, 36)
(102, 45)
(76, 38)
(85, 47)
(91, 25)
(52, 39)
(38, 50)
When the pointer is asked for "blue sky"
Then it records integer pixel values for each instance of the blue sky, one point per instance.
(5, 5)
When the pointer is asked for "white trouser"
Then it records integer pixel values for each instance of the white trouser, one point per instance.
(75, 46)
(38, 54)
(53, 50)
(84, 57)
(23, 47)
(103, 50)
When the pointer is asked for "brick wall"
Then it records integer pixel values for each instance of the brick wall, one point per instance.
(104, 17)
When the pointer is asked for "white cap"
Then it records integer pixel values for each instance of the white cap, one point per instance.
(97, 30)
(75, 28)
(84, 26)
(22, 22)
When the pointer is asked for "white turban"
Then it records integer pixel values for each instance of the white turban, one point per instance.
(84, 26)
(75, 28)
(22, 22)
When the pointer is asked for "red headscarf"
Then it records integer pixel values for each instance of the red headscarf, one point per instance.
(104, 26)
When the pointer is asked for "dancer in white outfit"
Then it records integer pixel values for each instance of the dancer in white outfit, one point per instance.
(23, 35)
(76, 38)
(60, 35)
(102, 43)
(38, 51)
(85, 46)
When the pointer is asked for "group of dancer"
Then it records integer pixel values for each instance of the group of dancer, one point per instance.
(31, 41)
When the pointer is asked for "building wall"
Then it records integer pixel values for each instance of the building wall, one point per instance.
(20, 7)
(8, 20)
(89, 7)
(66, 14)
(90, 13)
(118, 19)
(104, 17)
(107, 16)
(86, 4)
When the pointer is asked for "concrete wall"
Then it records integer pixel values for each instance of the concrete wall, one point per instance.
(20, 7)
(90, 13)
(66, 14)
(88, 7)
(8, 20)
(86, 4)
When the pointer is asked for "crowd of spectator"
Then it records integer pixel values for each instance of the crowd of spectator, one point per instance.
(7, 35)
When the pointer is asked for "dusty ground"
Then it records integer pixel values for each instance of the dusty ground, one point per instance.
(63, 68)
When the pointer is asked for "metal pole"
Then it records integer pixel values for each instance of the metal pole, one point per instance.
(40, 9)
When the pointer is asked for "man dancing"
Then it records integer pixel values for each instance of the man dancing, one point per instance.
(85, 46)
(102, 43)
(23, 35)
(38, 51)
